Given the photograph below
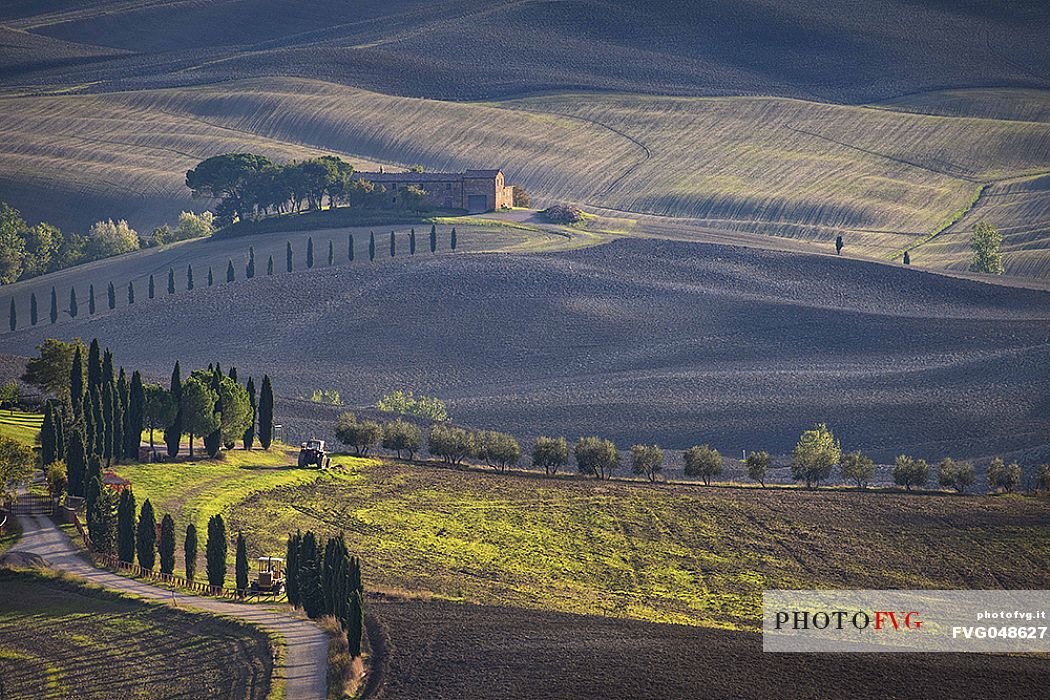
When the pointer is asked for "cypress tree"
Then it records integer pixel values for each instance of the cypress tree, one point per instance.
(94, 366)
(241, 565)
(433, 238)
(98, 445)
(123, 399)
(54, 305)
(392, 244)
(310, 593)
(249, 271)
(211, 278)
(309, 252)
(74, 308)
(231, 274)
(173, 433)
(331, 253)
(91, 299)
(33, 311)
(232, 374)
(47, 437)
(171, 281)
(189, 277)
(412, 242)
(355, 623)
(126, 524)
(452, 242)
(14, 315)
(291, 569)
(215, 551)
(249, 432)
(269, 267)
(131, 293)
(117, 421)
(907, 258)
(101, 525)
(151, 291)
(76, 463)
(111, 296)
(266, 413)
(350, 247)
(76, 381)
(136, 414)
(288, 255)
(107, 421)
(371, 246)
(166, 545)
(189, 550)
(146, 538)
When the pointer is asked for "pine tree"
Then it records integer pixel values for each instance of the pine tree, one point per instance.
(211, 278)
(269, 267)
(350, 247)
(33, 312)
(266, 413)
(331, 253)
(291, 569)
(126, 525)
(215, 551)
(54, 305)
(131, 293)
(309, 252)
(249, 432)
(166, 545)
(111, 296)
(173, 433)
(189, 550)
(189, 277)
(91, 299)
(452, 241)
(412, 242)
(231, 274)
(433, 238)
(171, 281)
(136, 416)
(310, 593)
(249, 270)
(146, 537)
(355, 623)
(151, 290)
(241, 565)
(288, 255)
(371, 246)
(393, 245)
(76, 463)
(14, 315)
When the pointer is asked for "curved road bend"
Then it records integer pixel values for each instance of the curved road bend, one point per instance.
(306, 650)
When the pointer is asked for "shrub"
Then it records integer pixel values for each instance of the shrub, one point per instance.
(596, 456)
(1043, 478)
(56, 478)
(521, 197)
(550, 453)
(107, 238)
(327, 396)
(703, 461)
(563, 214)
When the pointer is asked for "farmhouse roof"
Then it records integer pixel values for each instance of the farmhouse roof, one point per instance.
(112, 479)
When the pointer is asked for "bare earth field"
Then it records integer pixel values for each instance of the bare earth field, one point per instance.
(448, 650)
(59, 639)
(638, 340)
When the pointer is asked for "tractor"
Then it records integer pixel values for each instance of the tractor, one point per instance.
(313, 452)
(271, 576)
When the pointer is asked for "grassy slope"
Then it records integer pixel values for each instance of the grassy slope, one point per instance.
(62, 639)
(24, 427)
(884, 179)
(662, 553)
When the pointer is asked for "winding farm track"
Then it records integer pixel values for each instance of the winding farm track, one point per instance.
(306, 651)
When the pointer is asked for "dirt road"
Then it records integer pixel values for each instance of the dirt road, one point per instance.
(306, 651)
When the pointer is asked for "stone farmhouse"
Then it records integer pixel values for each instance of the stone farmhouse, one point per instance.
(472, 190)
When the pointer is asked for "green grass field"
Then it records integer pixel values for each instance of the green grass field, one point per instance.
(61, 639)
(21, 426)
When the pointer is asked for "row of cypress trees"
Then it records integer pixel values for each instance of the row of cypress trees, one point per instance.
(231, 275)
(102, 418)
(323, 578)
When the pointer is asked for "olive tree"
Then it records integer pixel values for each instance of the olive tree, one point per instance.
(858, 468)
(550, 453)
(596, 456)
(647, 460)
(816, 454)
(757, 465)
(499, 450)
(956, 475)
(703, 461)
(402, 436)
(363, 436)
(908, 472)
